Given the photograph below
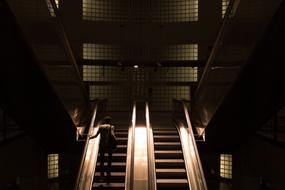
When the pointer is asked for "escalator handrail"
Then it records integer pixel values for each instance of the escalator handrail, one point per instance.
(130, 152)
(203, 185)
(195, 174)
(150, 150)
(79, 175)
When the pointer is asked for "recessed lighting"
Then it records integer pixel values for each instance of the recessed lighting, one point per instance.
(136, 66)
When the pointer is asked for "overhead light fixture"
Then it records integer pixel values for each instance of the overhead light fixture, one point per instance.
(136, 66)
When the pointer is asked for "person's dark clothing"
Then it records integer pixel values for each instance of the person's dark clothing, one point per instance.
(105, 131)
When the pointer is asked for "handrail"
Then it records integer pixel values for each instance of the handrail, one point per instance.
(216, 47)
(130, 152)
(202, 184)
(195, 174)
(69, 51)
(79, 176)
(150, 152)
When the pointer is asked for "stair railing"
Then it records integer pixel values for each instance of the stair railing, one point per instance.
(87, 167)
(130, 152)
(194, 170)
(150, 149)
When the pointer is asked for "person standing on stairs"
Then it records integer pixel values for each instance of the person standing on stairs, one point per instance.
(108, 142)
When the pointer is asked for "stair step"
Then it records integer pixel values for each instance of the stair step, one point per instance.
(168, 151)
(121, 148)
(172, 173)
(166, 132)
(117, 157)
(164, 129)
(113, 174)
(116, 166)
(172, 181)
(109, 186)
(115, 177)
(169, 163)
(122, 138)
(121, 130)
(178, 184)
(166, 138)
(121, 134)
(119, 154)
(168, 154)
(167, 146)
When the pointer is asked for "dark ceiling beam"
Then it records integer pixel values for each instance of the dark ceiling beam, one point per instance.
(199, 63)
(152, 83)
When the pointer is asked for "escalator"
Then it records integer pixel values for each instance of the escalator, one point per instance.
(118, 171)
(89, 170)
(169, 161)
(177, 161)
(161, 157)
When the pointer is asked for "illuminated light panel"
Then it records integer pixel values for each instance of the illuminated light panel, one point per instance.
(226, 166)
(179, 52)
(53, 166)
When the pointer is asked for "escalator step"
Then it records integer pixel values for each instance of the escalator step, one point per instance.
(166, 138)
(164, 129)
(169, 163)
(109, 186)
(121, 133)
(115, 177)
(116, 166)
(178, 184)
(165, 132)
(167, 146)
(122, 139)
(120, 149)
(173, 173)
(177, 154)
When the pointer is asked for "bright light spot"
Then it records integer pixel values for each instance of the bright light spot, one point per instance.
(136, 66)
(140, 161)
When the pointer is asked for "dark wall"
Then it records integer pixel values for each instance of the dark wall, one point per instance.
(211, 166)
(25, 163)
(255, 160)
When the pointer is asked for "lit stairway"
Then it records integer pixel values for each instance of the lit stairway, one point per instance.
(169, 161)
(117, 180)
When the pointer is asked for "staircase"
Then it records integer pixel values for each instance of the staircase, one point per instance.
(118, 170)
(169, 161)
